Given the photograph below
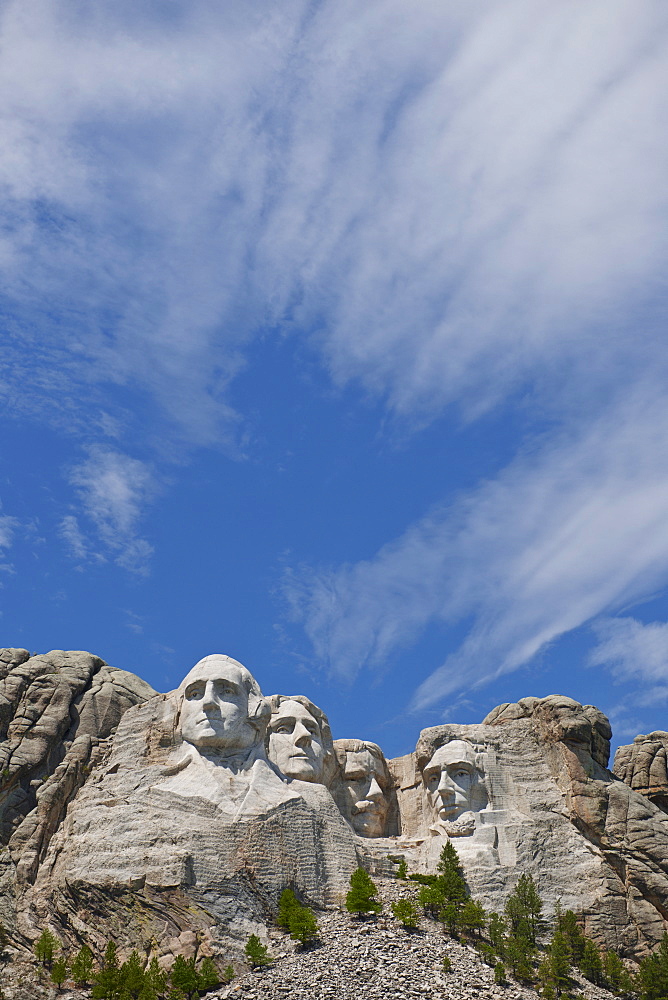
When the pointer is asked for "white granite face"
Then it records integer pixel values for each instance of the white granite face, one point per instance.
(450, 782)
(366, 783)
(222, 707)
(296, 743)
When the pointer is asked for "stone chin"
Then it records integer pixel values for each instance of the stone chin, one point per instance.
(368, 822)
(301, 770)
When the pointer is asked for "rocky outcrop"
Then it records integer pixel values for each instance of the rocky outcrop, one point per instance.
(161, 820)
(174, 855)
(56, 711)
(642, 766)
(536, 796)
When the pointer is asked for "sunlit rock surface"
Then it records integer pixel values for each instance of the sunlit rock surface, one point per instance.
(162, 821)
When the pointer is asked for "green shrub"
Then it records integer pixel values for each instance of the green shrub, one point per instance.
(362, 896)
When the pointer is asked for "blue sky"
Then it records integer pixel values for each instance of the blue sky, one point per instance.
(334, 340)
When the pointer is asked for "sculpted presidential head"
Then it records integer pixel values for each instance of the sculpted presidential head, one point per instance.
(299, 740)
(222, 707)
(451, 782)
(365, 786)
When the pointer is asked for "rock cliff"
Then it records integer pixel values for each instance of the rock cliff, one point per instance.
(173, 822)
(642, 765)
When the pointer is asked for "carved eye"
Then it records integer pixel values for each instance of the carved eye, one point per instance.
(194, 692)
(283, 727)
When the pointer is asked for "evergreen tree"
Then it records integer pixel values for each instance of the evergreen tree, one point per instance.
(184, 976)
(431, 899)
(256, 952)
(45, 947)
(286, 904)
(303, 926)
(82, 966)
(616, 976)
(207, 975)
(567, 923)
(472, 917)
(228, 974)
(500, 974)
(591, 965)
(405, 911)
(155, 977)
(523, 909)
(107, 982)
(132, 976)
(446, 964)
(59, 972)
(653, 973)
(450, 917)
(361, 898)
(451, 879)
(498, 928)
(402, 870)
(557, 965)
(519, 954)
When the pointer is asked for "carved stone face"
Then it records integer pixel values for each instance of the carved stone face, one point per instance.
(449, 779)
(295, 742)
(214, 708)
(365, 781)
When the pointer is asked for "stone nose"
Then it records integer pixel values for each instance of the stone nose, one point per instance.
(446, 786)
(209, 698)
(302, 736)
(375, 792)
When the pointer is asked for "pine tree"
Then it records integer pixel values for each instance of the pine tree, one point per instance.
(228, 974)
(405, 911)
(558, 962)
(567, 922)
(500, 974)
(286, 904)
(451, 875)
(184, 976)
(614, 971)
(256, 952)
(653, 973)
(498, 927)
(155, 977)
(303, 926)
(591, 965)
(472, 917)
(402, 870)
(431, 899)
(523, 909)
(107, 982)
(132, 976)
(208, 977)
(82, 966)
(362, 896)
(45, 947)
(446, 964)
(59, 972)
(519, 954)
(450, 917)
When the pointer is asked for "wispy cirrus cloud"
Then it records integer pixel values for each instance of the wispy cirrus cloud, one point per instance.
(113, 489)
(457, 200)
(565, 533)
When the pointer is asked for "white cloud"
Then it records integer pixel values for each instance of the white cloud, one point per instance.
(632, 650)
(73, 537)
(562, 535)
(8, 526)
(113, 489)
(459, 198)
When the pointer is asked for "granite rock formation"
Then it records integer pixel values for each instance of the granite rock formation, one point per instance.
(642, 765)
(178, 831)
